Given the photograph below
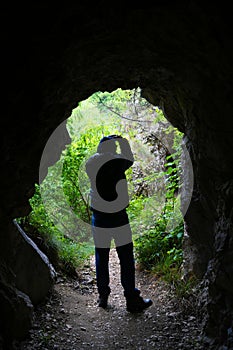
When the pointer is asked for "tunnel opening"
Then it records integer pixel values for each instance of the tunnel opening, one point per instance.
(155, 185)
(59, 222)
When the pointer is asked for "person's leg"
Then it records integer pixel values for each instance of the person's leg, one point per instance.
(126, 257)
(102, 240)
(102, 271)
(134, 302)
(124, 247)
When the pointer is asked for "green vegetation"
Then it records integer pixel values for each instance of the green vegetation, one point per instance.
(60, 206)
(159, 246)
(63, 252)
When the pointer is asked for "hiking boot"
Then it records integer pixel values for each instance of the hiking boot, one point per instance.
(136, 303)
(103, 297)
(103, 301)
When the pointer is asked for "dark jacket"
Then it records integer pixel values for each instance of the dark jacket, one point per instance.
(105, 171)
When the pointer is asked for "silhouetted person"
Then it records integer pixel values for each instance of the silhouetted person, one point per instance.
(109, 200)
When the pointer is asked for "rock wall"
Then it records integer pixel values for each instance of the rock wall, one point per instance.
(180, 54)
(26, 279)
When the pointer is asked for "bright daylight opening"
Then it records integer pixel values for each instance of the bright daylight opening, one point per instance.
(61, 214)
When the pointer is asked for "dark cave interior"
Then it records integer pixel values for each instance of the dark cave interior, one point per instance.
(180, 54)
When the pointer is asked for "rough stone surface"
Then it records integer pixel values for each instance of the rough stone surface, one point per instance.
(34, 274)
(180, 53)
(17, 309)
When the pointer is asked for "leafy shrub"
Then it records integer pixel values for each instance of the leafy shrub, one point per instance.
(156, 246)
(159, 247)
(62, 251)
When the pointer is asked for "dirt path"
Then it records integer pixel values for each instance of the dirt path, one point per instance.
(71, 320)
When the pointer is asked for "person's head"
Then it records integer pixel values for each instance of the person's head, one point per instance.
(107, 144)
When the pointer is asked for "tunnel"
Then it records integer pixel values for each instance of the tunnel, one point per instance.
(180, 54)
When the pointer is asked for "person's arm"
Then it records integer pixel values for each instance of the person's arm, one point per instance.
(125, 149)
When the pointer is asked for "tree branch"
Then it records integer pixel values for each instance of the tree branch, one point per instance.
(123, 117)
